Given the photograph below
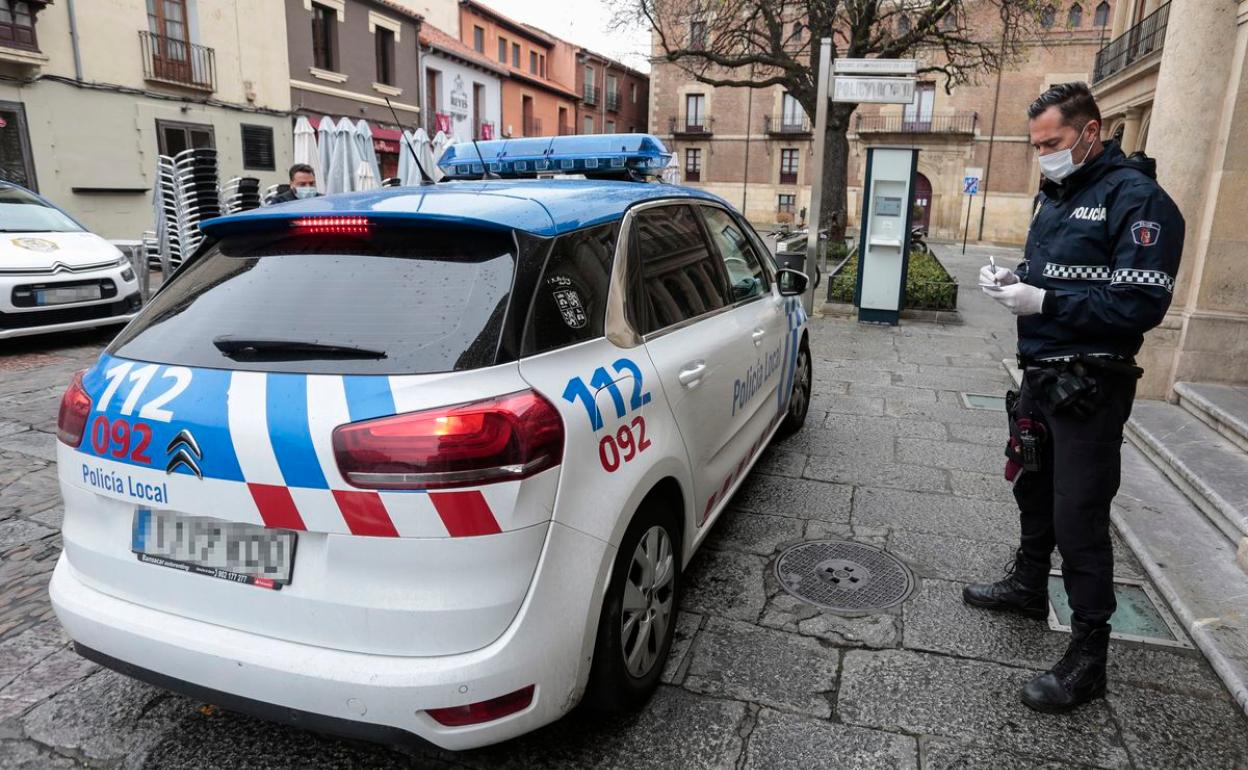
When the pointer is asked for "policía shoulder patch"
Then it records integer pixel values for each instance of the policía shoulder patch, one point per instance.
(1145, 233)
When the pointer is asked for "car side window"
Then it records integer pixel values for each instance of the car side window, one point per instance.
(742, 263)
(681, 276)
(571, 298)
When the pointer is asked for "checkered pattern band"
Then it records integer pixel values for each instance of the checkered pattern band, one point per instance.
(1076, 272)
(1145, 278)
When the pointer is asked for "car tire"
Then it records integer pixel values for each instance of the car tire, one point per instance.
(627, 665)
(799, 399)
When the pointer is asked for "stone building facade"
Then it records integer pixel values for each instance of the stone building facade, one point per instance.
(1174, 81)
(754, 146)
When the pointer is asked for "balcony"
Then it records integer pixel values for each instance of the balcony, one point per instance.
(170, 60)
(957, 123)
(590, 94)
(532, 126)
(1136, 43)
(690, 125)
(613, 101)
(786, 125)
(566, 129)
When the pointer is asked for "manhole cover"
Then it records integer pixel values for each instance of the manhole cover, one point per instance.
(844, 577)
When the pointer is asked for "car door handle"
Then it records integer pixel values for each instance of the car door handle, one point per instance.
(758, 335)
(691, 375)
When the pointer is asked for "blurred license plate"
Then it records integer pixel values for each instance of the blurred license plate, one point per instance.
(241, 553)
(63, 294)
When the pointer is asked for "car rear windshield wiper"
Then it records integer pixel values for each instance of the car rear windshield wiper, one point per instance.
(245, 348)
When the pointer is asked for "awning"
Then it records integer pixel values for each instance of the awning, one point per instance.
(387, 140)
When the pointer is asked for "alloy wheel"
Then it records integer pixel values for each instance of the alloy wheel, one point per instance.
(647, 605)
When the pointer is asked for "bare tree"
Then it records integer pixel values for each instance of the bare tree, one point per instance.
(765, 43)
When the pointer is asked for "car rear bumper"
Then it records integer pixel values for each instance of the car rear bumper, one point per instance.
(377, 697)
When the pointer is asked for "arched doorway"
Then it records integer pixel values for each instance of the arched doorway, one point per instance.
(922, 202)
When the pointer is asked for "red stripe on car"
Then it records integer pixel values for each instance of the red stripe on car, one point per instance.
(277, 507)
(365, 514)
(465, 514)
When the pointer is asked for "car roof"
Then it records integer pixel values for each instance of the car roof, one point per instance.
(543, 207)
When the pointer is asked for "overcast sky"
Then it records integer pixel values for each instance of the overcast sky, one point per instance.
(584, 22)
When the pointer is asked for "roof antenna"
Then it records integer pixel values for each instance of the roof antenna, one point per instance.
(424, 178)
(485, 169)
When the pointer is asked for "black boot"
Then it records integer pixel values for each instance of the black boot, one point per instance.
(1077, 678)
(1024, 589)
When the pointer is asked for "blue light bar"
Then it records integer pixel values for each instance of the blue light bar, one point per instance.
(592, 154)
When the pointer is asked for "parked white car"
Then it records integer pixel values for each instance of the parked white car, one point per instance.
(427, 461)
(54, 274)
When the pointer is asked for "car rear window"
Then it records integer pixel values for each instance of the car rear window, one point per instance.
(410, 301)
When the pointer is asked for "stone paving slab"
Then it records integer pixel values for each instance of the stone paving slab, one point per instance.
(854, 471)
(726, 584)
(973, 701)
(789, 742)
(743, 662)
(949, 755)
(936, 514)
(951, 558)
(754, 533)
(1168, 731)
(794, 498)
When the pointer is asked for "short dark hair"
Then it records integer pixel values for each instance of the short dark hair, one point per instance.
(1074, 100)
(301, 168)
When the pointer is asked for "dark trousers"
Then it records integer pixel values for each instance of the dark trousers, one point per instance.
(1066, 503)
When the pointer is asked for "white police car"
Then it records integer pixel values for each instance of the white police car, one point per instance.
(55, 275)
(428, 461)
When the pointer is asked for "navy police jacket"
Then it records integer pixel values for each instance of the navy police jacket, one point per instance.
(1105, 246)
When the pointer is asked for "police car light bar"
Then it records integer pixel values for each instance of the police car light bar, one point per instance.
(619, 155)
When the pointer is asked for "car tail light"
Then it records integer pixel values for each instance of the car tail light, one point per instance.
(501, 439)
(71, 420)
(485, 711)
(331, 225)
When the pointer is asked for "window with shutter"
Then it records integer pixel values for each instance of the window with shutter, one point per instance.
(258, 148)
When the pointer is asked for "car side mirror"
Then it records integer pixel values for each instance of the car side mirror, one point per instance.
(792, 282)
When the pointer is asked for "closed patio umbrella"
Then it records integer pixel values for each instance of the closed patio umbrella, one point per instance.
(364, 146)
(364, 179)
(344, 161)
(325, 152)
(306, 150)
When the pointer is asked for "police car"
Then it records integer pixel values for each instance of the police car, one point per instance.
(428, 461)
(54, 274)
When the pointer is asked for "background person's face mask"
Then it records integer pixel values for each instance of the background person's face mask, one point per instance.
(305, 192)
(1056, 166)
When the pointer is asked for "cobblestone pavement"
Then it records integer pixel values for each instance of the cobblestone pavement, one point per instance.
(757, 679)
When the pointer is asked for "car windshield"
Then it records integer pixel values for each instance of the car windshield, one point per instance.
(21, 212)
(398, 301)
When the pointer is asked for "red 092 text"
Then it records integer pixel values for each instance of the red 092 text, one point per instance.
(627, 442)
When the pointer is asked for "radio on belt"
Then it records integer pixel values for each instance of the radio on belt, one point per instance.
(884, 245)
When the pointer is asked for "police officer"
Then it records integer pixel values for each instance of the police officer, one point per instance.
(1098, 272)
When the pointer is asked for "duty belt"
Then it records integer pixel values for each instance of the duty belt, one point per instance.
(1105, 362)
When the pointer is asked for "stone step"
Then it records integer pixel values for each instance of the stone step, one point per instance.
(1211, 470)
(1222, 407)
(1192, 564)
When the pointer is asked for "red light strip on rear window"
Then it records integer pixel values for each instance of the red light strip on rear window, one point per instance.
(331, 225)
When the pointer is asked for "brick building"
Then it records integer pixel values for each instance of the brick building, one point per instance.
(754, 146)
(614, 98)
(538, 98)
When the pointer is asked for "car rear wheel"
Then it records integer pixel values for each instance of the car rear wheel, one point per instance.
(638, 615)
(799, 399)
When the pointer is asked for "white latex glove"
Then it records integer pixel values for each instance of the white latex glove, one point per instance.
(1019, 298)
(1003, 276)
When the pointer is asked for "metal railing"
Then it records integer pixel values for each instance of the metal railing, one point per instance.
(613, 101)
(957, 123)
(786, 124)
(566, 129)
(590, 94)
(532, 126)
(1144, 38)
(171, 60)
(684, 125)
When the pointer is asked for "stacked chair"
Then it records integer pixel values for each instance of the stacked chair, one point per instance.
(187, 193)
(242, 193)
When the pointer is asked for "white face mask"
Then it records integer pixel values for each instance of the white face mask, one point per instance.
(1056, 166)
(305, 192)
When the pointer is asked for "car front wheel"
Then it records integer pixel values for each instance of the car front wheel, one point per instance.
(638, 616)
